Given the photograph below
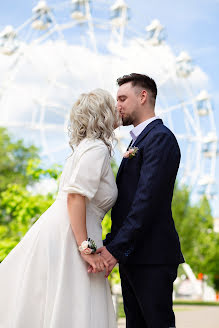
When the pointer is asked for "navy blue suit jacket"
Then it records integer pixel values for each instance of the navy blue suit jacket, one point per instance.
(143, 230)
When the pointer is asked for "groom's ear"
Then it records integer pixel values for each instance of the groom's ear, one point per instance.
(143, 96)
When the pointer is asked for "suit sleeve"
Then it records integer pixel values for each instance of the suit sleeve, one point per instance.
(107, 239)
(153, 177)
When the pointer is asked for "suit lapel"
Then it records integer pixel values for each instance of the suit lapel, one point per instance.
(145, 132)
(141, 136)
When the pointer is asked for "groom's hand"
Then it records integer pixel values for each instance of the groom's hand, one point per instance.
(96, 263)
(109, 258)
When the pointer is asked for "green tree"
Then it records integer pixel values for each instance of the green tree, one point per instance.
(14, 160)
(194, 223)
(21, 209)
(21, 164)
(20, 167)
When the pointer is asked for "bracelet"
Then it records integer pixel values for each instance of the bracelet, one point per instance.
(88, 247)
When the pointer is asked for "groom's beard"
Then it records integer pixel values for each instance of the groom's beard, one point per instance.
(127, 120)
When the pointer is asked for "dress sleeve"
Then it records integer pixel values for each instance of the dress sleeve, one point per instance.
(88, 170)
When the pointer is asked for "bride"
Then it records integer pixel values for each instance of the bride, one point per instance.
(44, 281)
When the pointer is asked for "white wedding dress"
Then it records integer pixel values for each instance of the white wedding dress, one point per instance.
(44, 281)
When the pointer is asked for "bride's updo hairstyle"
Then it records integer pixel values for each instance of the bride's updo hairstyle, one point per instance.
(94, 116)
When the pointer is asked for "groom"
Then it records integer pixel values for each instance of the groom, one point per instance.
(143, 238)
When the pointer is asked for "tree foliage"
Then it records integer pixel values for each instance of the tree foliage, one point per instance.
(20, 167)
(195, 226)
(20, 210)
(14, 160)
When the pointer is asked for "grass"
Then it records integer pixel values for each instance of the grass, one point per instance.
(186, 308)
(121, 313)
(183, 302)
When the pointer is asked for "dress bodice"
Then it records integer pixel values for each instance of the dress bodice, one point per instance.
(88, 172)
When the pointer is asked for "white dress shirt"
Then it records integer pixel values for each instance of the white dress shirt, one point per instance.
(136, 131)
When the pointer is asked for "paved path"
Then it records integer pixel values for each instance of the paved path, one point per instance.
(192, 317)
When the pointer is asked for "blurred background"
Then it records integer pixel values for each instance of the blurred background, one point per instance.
(51, 51)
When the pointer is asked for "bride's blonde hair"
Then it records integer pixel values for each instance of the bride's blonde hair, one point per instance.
(94, 115)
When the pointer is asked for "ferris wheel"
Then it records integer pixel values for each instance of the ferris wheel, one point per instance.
(67, 47)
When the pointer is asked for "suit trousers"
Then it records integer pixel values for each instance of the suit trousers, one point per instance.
(147, 294)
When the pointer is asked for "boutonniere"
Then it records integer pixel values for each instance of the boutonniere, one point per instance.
(131, 152)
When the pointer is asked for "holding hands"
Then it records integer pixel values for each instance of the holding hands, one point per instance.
(96, 263)
(98, 259)
(103, 260)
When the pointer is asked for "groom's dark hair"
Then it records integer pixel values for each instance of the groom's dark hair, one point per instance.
(142, 81)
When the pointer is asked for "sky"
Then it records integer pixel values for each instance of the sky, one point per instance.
(190, 26)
